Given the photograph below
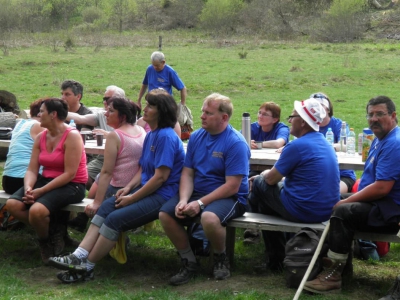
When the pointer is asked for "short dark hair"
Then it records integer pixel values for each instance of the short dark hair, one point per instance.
(125, 107)
(74, 85)
(391, 107)
(58, 105)
(167, 108)
(34, 107)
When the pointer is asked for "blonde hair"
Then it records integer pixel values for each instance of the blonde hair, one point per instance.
(224, 103)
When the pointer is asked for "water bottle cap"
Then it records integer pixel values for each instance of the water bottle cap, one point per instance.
(246, 114)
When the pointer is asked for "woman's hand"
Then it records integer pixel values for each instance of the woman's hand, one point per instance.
(122, 192)
(123, 201)
(91, 209)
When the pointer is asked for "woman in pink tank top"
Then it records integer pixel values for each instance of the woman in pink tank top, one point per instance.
(59, 150)
(122, 151)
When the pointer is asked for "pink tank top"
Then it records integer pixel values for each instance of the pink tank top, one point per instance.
(128, 156)
(53, 163)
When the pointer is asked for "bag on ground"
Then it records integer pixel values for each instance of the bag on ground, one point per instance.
(7, 221)
(299, 251)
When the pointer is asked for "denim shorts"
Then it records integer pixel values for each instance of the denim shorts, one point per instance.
(225, 209)
(56, 199)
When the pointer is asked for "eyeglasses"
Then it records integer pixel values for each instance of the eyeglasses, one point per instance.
(291, 117)
(264, 114)
(320, 96)
(377, 115)
(105, 99)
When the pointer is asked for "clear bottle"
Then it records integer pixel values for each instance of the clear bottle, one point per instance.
(343, 137)
(330, 136)
(246, 130)
(351, 143)
(72, 123)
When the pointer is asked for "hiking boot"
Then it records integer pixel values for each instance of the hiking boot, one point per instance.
(57, 238)
(187, 272)
(221, 267)
(394, 291)
(252, 240)
(46, 250)
(79, 223)
(72, 276)
(329, 280)
(71, 242)
(68, 262)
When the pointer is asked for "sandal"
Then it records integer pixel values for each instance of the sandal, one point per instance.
(71, 276)
(68, 262)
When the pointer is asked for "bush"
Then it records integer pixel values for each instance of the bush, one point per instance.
(346, 20)
(91, 14)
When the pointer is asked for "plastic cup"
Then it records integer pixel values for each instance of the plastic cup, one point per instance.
(99, 138)
(259, 144)
(83, 138)
(85, 135)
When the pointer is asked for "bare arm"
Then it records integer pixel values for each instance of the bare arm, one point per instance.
(374, 191)
(89, 119)
(35, 130)
(160, 176)
(183, 95)
(110, 157)
(141, 93)
(177, 129)
(272, 176)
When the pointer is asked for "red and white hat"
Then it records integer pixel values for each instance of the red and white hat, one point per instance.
(311, 111)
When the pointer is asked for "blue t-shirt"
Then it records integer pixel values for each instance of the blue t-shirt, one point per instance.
(336, 125)
(383, 163)
(212, 157)
(166, 79)
(162, 147)
(311, 187)
(279, 131)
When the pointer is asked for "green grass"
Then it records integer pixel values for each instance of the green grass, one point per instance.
(350, 74)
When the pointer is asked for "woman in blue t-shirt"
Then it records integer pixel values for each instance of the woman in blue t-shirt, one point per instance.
(347, 177)
(139, 202)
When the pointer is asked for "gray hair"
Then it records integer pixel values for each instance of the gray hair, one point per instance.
(117, 91)
(157, 56)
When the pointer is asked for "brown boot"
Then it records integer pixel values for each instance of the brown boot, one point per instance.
(329, 280)
(46, 250)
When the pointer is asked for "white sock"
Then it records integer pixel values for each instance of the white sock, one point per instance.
(89, 265)
(81, 253)
(188, 254)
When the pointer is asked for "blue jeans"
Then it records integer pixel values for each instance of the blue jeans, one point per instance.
(112, 220)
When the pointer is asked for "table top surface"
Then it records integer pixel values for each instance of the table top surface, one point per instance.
(260, 157)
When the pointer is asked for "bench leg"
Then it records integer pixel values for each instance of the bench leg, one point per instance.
(230, 243)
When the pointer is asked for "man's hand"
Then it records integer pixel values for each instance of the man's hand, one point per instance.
(192, 209)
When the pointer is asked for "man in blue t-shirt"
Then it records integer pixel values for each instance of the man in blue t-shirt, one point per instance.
(161, 75)
(213, 186)
(305, 195)
(376, 205)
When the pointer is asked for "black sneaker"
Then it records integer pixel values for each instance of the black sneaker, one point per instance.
(188, 271)
(68, 262)
(72, 276)
(221, 267)
(79, 223)
(394, 292)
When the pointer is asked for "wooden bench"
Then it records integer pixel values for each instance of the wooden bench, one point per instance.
(255, 221)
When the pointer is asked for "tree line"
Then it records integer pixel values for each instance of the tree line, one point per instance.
(279, 18)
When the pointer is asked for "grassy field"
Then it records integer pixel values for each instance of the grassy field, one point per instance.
(350, 74)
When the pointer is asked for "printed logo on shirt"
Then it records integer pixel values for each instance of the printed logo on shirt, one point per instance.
(217, 154)
(161, 80)
(152, 148)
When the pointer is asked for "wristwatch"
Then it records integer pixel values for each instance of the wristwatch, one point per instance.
(201, 204)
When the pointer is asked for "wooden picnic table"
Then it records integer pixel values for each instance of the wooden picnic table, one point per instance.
(260, 159)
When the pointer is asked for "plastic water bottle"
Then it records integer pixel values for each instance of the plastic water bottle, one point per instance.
(351, 143)
(72, 123)
(329, 136)
(343, 137)
(246, 128)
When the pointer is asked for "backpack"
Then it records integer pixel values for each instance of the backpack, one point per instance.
(299, 251)
(197, 240)
(7, 221)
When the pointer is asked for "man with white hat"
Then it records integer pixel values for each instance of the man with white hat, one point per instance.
(306, 194)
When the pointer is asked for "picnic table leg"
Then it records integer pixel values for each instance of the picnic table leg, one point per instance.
(230, 243)
(312, 263)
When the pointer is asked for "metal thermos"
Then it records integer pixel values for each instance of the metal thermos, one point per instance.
(246, 128)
